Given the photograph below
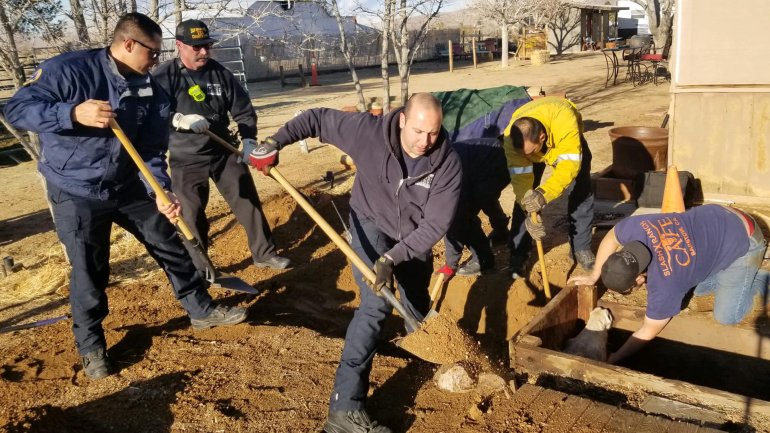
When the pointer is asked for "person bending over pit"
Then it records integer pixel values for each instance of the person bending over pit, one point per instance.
(548, 131)
(92, 182)
(713, 248)
(485, 176)
(404, 197)
(203, 95)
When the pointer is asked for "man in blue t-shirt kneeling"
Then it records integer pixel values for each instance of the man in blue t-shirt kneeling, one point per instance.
(713, 248)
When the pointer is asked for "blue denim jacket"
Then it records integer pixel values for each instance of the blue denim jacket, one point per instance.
(86, 161)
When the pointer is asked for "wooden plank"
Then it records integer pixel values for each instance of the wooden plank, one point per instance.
(594, 418)
(624, 421)
(556, 321)
(681, 427)
(709, 430)
(545, 404)
(696, 332)
(525, 395)
(653, 424)
(678, 410)
(564, 417)
(587, 299)
(538, 360)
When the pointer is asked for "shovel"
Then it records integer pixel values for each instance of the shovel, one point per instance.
(217, 280)
(436, 339)
(541, 257)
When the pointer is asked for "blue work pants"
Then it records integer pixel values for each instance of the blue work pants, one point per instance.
(364, 334)
(84, 225)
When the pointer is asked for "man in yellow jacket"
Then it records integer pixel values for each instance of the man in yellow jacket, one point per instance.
(549, 131)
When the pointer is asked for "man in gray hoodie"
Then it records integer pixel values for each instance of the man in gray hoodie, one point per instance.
(404, 196)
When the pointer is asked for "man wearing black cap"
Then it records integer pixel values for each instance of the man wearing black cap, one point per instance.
(714, 249)
(203, 94)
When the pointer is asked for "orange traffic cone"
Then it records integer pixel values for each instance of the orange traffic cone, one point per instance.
(313, 72)
(673, 201)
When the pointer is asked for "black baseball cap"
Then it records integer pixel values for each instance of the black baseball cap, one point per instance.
(620, 270)
(193, 32)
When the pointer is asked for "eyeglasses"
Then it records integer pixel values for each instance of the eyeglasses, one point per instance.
(153, 52)
(197, 48)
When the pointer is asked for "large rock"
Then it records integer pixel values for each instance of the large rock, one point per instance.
(453, 378)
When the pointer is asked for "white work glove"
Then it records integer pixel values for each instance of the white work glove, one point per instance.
(248, 146)
(190, 122)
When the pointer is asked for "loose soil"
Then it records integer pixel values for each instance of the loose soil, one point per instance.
(274, 373)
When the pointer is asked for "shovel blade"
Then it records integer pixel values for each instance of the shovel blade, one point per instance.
(206, 268)
(231, 282)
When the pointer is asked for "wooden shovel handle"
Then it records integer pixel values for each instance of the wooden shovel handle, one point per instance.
(541, 257)
(156, 188)
(437, 286)
(411, 321)
(328, 229)
(223, 142)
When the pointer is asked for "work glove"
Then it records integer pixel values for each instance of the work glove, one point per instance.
(447, 270)
(249, 144)
(535, 229)
(533, 200)
(190, 122)
(264, 155)
(383, 271)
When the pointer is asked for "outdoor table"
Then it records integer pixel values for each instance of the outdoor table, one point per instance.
(613, 64)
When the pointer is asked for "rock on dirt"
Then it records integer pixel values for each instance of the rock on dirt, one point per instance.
(465, 378)
(454, 378)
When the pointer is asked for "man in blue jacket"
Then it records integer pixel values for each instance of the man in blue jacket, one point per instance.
(92, 181)
(404, 196)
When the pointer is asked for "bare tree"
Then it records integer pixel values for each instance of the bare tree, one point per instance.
(387, 23)
(660, 14)
(542, 12)
(335, 12)
(505, 13)
(19, 19)
(563, 26)
(405, 44)
(78, 18)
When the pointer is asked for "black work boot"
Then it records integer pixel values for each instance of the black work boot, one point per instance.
(353, 421)
(219, 316)
(273, 262)
(473, 268)
(586, 259)
(96, 364)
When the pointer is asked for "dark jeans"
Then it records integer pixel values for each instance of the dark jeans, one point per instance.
(190, 182)
(580, 207)
(83, 225)
(466, 228)
(351, 383)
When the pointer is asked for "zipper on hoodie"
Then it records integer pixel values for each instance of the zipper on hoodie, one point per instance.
(398, 190)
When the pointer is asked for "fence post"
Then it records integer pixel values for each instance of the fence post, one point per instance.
(302, 82)
(473, 48)
(451, 57)
(283, 81)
